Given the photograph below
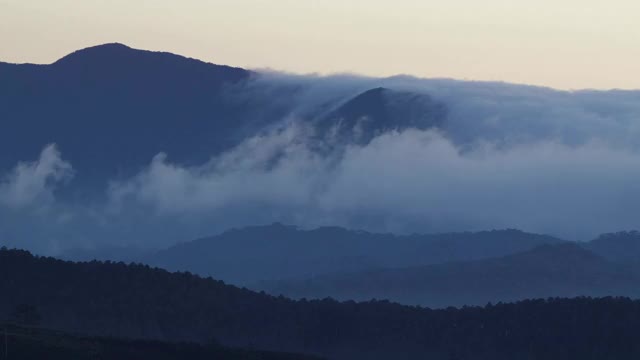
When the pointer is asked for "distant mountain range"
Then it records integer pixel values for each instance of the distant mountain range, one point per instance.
(565, 270)
(111, 108)
(435, 270)
(274, 252)
(139, 302)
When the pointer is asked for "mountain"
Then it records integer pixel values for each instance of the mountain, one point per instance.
(621, 246)
(564, 270)
(380, 110)
(111, 108)
(274, 252)
(136, 301)
(122, 118)
(29, 343)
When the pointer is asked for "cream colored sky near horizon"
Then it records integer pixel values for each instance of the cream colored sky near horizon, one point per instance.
(567, 44)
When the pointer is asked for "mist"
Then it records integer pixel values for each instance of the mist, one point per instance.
(508, 156)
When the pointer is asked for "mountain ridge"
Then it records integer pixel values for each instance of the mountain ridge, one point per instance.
(98, 105)
(279, 251)
(549, 270)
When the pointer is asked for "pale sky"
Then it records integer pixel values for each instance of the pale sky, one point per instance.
(567, 44)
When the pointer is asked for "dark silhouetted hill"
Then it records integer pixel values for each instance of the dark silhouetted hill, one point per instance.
(565, 270)
(37, 344)
(273, 252)
(135, 301)
(104, 253)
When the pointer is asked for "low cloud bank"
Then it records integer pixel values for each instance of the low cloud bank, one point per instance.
(508, 156)
(411, 181)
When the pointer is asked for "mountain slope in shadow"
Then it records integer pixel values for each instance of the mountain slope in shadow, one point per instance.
(564, 270)
(111, 108)
(378, 111)
(273, 252)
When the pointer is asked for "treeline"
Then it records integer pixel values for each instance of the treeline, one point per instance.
(29, 343)
(115, 299)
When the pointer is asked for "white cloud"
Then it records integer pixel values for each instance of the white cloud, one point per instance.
(508, 156)
(274, 169)
(33, 183)
(407, 181)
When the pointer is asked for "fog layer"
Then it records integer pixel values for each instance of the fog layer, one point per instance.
(507, 156)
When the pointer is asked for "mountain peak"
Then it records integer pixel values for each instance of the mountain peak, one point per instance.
(378, 110)
(116, 62)
(120, 57)
(108, 50)
(113, 45)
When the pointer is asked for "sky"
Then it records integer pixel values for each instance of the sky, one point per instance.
(565, 44)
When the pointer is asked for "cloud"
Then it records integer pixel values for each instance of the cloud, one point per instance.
(533, 158)
(507, 156)
(420, 181)
(275, 169)
(410, 181)
(501, 113)
(33, 183)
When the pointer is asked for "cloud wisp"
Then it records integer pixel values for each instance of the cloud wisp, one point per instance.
(33, 183)
(507, 156)
(405, 182)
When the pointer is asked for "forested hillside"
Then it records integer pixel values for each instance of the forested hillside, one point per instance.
(33, 343)
(141, 302)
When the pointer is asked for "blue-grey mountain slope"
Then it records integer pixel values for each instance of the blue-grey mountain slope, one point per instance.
(274, 252)
(565, 270)
(111, 109)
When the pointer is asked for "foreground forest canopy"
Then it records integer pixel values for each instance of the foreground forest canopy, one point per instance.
(32, 343)
(136, 301)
